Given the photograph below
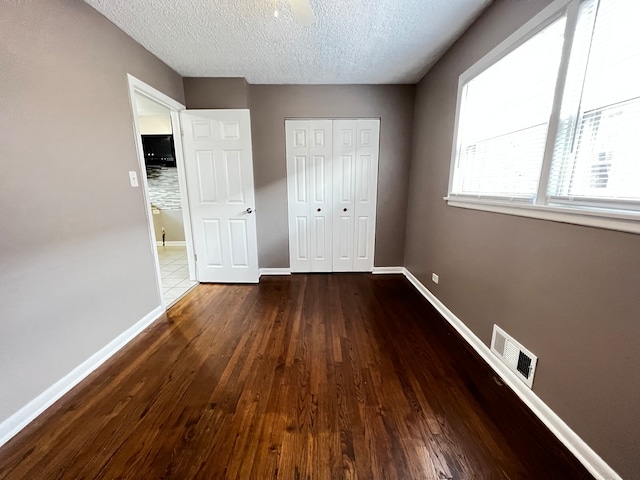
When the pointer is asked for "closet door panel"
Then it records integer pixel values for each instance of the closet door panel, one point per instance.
(366, 192)
(309, 177)
(297, 138)
(344, 158)
(320, 194)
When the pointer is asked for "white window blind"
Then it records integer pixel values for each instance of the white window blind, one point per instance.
(503, 121)
(596, 159)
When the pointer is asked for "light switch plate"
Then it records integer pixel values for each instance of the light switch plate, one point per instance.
(133, 178)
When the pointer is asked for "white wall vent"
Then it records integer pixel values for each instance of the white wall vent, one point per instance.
(519, 360)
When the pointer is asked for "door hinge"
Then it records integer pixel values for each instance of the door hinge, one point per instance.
(196, 256)
(182, 132)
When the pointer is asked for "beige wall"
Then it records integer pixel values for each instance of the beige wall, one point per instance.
(155, 124)
(569, 293)
(216, 92)
(76, 265)
(172, 222)
(271, 104)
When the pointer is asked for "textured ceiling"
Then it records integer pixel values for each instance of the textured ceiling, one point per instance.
(351, 41)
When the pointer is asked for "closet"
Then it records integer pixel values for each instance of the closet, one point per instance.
(332, 180)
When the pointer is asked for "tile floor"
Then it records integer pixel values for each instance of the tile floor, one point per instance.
(174, 272)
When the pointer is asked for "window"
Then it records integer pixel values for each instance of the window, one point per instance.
(505, 118)
(549, 121)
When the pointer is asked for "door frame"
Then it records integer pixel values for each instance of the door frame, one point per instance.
(138, 87)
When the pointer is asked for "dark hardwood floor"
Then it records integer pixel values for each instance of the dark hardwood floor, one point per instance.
(301, 377)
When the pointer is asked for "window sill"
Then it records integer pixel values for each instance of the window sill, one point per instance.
(622, 222)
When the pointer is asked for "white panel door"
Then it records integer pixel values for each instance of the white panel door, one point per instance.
(320, 135)
(297, 148)
(309, 194)
(344, 159)
(366, 193)
(219, 173)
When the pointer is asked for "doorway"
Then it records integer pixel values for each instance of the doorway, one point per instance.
(162, 179)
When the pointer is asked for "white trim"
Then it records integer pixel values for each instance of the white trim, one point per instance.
(591, 218)
(139, 87)
(173, 243)
(142, 176)
(156, 95)
(387, 270)
(578, 447)
(16, 422)
(571, 23)
(184, 194)
(275, 271)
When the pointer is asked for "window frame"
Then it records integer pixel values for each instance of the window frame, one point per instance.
(582, 212)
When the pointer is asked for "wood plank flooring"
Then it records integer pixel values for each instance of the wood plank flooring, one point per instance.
(339, 376)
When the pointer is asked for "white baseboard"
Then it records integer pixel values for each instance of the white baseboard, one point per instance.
(16, 422)
(578, 447)
(174, 243)
(275, 271)
(387, 270)
(376, 271)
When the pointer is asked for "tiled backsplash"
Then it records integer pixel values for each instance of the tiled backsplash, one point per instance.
(164, 189)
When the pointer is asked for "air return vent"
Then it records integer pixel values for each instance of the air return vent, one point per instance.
(519, 360)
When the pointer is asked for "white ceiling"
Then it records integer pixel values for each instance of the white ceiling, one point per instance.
(351, 41)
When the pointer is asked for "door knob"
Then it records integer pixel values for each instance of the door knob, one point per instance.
(249, 210)
(319, 209)
(344, 209)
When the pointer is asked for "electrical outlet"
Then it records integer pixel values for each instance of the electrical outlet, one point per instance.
(435, 278)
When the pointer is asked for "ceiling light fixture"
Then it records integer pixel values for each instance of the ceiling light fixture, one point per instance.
(302, 11)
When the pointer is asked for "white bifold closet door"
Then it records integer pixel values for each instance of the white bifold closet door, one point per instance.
(355, 187)
(332, 176)
(309, 191)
